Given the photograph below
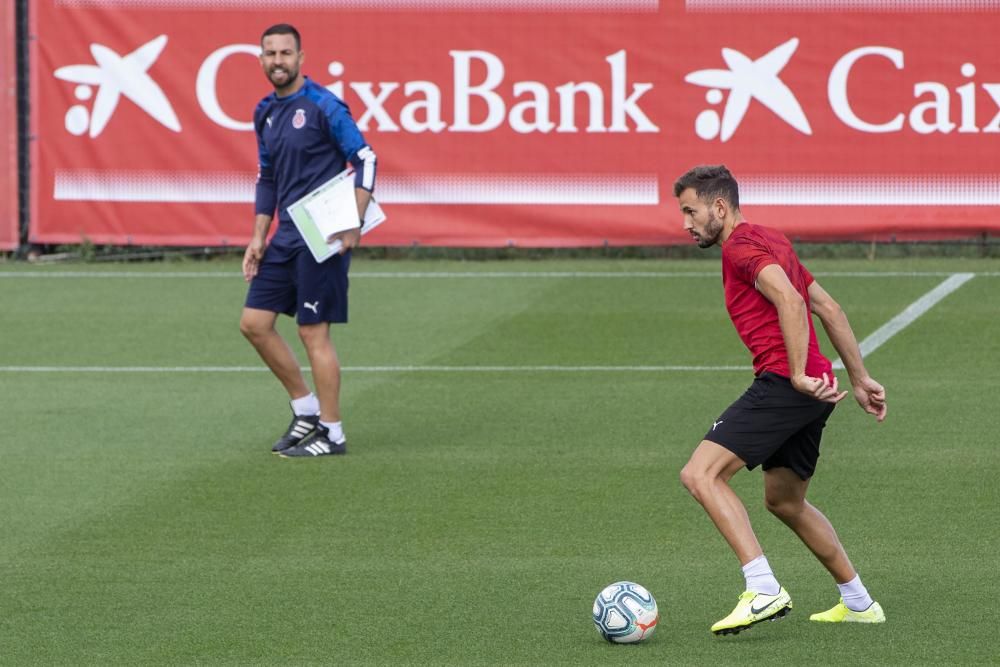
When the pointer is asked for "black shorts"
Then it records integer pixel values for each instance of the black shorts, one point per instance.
(294, 283)
(773, 425)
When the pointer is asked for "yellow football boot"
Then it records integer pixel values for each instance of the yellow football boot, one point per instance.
(754, 608)
(841, 614)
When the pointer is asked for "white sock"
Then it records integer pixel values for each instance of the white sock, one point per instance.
(855, 595)
(336, 430)
(759, 577)
(307, 406)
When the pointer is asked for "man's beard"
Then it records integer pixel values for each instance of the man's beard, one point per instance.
(713, 229)
(290, 74)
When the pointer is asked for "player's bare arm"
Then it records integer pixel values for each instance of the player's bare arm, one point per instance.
(363, 198)
(869, 393)
(255, 249)
(793, 316)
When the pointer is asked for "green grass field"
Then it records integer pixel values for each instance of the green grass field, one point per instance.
(516, 430)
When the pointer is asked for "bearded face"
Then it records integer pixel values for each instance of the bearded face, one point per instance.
(281, 61)
(700, 220)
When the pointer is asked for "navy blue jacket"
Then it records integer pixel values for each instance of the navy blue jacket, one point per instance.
(304, 140)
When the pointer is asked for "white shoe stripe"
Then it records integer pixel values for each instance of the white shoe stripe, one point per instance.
(318, 448)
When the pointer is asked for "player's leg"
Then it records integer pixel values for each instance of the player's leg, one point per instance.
(258, 328)
(785, 498)
(328, 438)
(706, 477)
(325, 368)
(271, 292)
(322, 300)
(786, 482)
(747, 433)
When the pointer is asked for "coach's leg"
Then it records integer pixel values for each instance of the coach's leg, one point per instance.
(325, 368)
(785, 497)
(706, 476)
(258, 328)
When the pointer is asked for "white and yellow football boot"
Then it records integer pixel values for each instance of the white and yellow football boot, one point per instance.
(841, 614)
(754, 608)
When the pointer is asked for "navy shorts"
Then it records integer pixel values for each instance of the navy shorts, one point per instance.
(773, 425)
(294, 283)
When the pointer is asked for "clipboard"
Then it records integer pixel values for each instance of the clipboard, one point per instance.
(329, 209)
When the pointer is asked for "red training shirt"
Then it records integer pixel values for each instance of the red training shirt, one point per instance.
(745, 253)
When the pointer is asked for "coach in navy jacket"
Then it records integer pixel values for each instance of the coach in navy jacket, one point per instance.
(305, 137)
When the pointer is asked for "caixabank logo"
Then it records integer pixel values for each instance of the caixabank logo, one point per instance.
(935, 107)
(478, 81)
(592, 116)
(608, 102)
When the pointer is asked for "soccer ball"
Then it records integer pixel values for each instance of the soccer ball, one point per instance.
(625, 613)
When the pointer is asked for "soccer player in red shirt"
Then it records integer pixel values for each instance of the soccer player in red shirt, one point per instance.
(778, 422)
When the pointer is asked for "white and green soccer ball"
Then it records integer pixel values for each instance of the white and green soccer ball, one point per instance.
(625, 613)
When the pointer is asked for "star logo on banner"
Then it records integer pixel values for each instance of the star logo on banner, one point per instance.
(116, 76)
(747, 80)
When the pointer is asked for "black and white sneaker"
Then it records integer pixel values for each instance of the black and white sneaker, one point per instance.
(318, 444)
(300, 428)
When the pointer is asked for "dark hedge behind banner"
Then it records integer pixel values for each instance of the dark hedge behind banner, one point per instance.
(532, 123)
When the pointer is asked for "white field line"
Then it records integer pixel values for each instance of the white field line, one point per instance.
(378, 369)
(477, 274)
(909, 314)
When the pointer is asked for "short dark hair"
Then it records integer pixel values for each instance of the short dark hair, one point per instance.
(710, 181)
(283, 29)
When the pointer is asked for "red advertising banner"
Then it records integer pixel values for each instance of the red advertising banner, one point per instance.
(529, 122)
(8, 130)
